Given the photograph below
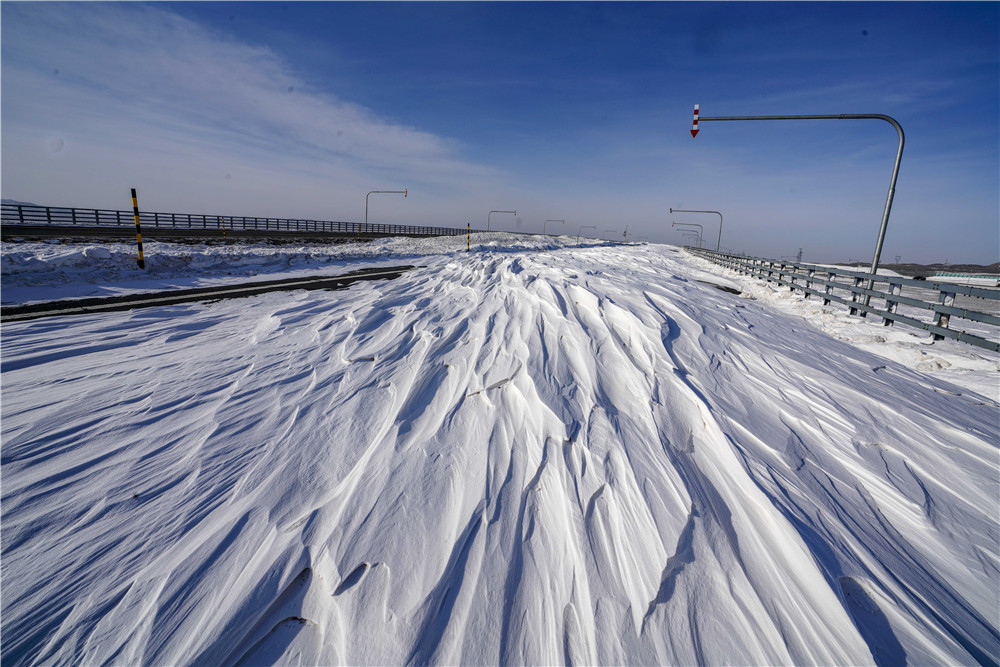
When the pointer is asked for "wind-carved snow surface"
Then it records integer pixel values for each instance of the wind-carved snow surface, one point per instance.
(578, 456)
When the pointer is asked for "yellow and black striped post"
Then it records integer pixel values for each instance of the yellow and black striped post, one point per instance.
(138, 229)
(468, 237)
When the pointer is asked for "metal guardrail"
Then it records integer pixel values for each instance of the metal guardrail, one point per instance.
(825, 282)
(24, 214)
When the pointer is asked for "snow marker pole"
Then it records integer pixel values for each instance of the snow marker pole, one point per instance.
(138, 229)
(468, 237)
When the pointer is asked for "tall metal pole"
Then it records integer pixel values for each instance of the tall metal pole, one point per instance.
(381, 192)
(688, 232)
(548, 221)
(701, 230)
(491, 213)
(583, 227)
(845, 116)
(717, 243)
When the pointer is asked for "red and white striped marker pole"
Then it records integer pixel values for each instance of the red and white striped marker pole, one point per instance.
(694, 126)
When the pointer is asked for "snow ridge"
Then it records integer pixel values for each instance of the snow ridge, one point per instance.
(531, 457)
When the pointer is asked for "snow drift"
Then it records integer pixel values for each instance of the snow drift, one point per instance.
(547, 456)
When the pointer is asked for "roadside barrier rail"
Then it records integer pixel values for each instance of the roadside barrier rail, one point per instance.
(948, 301)
(25, 214)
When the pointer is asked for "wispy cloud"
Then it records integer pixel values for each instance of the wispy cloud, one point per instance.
(143, 84)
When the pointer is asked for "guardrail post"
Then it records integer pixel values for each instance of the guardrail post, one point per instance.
(854, 296)
(830, 275)
(809, 281)
(942, 319)
(48, 215)
(890, 306)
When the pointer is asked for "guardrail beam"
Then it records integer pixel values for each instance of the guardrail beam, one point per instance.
(54, 217)
(790, 274)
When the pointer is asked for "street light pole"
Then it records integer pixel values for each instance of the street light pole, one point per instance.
(548, 221)
(844, 116)
(691, 224)
(491, 213)
(594, 227)
(381, 192)
(691, 231)
(717, 243)
(605, 236)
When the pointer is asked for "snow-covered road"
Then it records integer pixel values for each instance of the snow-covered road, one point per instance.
(525, 456)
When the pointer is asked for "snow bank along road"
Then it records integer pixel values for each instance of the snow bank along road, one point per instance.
(575, 455)
(166, 297)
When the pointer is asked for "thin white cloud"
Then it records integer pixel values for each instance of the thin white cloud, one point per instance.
(144, 84)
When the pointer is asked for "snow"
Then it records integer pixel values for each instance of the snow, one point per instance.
(539, 452)
(969, 367)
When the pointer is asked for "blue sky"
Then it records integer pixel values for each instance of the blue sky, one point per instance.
(576, 111)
